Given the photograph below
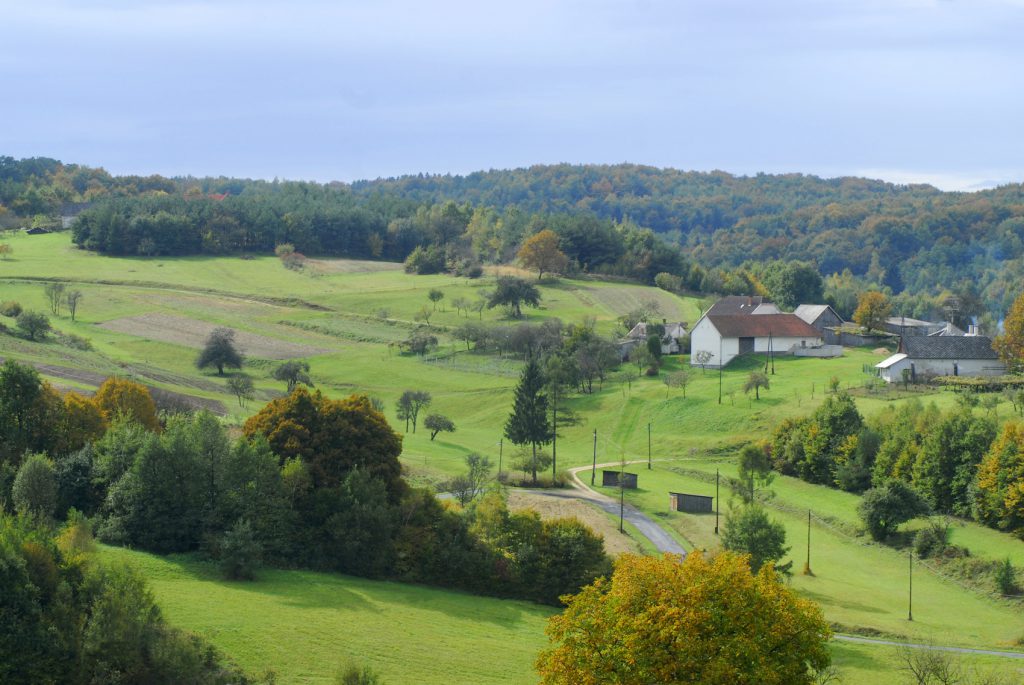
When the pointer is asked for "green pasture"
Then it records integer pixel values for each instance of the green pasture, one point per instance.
(861, 586)
(303, 625)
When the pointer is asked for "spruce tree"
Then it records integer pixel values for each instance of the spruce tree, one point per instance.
(528, 423)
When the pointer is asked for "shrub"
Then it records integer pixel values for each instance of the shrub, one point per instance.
(356, 675)
(10, 308)
(33, 324)
(932, 540)
(240, 552)
(1005, 576)
(884, 508)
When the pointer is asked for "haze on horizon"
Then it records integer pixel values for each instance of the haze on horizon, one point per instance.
(904, 90)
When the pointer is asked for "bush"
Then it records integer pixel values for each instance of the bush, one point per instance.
(356, 675)
(932, 540)
(1005, 576)
(883, 509)
(241, 554)
(33, 324)
(10, 308)
(425, 260)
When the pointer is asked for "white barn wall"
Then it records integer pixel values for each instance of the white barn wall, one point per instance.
(943, 367)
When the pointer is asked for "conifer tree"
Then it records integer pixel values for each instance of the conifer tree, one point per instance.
(528, 423)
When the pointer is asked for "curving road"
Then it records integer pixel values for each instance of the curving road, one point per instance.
(647, 527)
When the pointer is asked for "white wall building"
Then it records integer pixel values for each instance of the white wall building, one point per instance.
(923, 356)
(726, 336)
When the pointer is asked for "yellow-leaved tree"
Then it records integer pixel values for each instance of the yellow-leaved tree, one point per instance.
(540, 252)
(707, 621)
(872, 310)
(121, 396)
(1000, 499)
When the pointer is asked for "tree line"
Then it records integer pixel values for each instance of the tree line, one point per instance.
(311, 482)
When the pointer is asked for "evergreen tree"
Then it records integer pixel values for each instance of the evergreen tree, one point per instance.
(528, 423)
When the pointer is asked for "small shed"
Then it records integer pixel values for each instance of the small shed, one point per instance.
(695, 504)
(610, 479)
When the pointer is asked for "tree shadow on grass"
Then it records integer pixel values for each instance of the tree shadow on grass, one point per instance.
(324, 590)
(845, 604)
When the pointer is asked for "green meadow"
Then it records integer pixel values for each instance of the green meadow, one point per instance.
(144, 316)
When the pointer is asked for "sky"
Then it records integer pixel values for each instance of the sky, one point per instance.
(903, 90)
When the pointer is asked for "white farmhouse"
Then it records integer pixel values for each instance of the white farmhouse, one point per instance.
(963, 355)
(669, 341)
(726, 336)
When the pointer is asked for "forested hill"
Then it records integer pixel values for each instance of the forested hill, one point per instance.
(923, 238)
(718, 231)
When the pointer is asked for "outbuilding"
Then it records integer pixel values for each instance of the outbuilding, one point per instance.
(923, 356)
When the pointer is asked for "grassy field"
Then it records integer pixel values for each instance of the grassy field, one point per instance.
(304, 625)
(146, 317)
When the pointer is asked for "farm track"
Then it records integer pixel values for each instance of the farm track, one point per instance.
(168, 287)
(647, 527)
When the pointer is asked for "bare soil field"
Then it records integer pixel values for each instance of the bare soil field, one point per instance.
(180, 330)
(615, 543)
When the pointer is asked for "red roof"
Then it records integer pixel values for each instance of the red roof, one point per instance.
(762, 325)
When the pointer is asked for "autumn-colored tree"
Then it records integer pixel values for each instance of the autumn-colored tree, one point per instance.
(83, 422)
(121, 396)
(872, 310)
(331, 436)
(540, 252)
(1010, 345)
(700, 621)
(1000, 499)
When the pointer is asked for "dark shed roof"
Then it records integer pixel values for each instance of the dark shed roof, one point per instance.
(948, 347)
(737, 304)
(761, 325)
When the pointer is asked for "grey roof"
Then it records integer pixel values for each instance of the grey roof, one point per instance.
(907, 322)
(948, 347)
(811, 312)
(737, 304)
(948, 329)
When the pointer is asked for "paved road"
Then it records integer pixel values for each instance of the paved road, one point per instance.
(648, 528)
(934, 648)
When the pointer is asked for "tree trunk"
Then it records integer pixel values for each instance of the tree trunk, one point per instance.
(534, 463)
(220, 369)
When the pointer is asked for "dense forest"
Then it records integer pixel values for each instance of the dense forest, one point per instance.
(713, 230)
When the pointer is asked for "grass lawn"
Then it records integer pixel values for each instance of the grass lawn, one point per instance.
(859, 585)
(305, 625)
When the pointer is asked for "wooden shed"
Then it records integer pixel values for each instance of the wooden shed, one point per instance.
(610, 479)
(697, 504)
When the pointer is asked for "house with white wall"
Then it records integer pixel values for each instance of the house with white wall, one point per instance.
(939, 355)
(726, 336)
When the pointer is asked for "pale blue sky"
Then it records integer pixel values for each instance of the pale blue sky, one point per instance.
(902, 90)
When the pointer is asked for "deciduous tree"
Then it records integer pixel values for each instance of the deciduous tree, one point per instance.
(649, 624)
(540, 252)
(55, 295)
(884, 508)
(241, 386)
(1010, 345)
(72, 299)
(220, 351)
(755, 381)
(119, 396)
(748, 530)
(332, 436)
(33, 324)
(514, 293)
(873, 309)
(410, 404)
(437, 423)
(293, 372)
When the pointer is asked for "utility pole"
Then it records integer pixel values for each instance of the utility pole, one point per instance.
(501, 448)
(771, 351)
(910, 596)
(648, 446)
(593, 471)
(807, 566)
(622, 491)
(716, 501)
